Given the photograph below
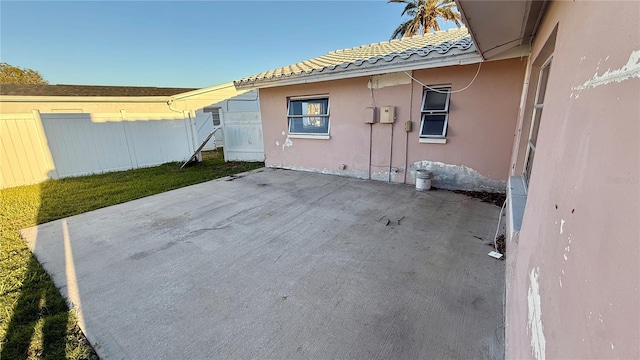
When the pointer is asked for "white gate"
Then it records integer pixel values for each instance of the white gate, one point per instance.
(243, 136)
(242, 128)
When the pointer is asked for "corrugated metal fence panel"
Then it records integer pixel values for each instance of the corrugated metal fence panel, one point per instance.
(23, 159)
(242, 136)
(36, 147)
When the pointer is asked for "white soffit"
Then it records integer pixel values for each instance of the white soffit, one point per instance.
(499, 26)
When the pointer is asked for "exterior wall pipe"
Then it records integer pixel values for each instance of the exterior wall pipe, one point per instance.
(226, 103)
(370, 146)
(406, 144)
(391, 150)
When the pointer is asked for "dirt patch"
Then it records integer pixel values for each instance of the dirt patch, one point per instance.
(492, 198)
(212, 154)
(500, 244)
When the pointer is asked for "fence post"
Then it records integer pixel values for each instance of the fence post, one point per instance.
(133, 159)
(52, 172)
(194, 132)
(224, 133)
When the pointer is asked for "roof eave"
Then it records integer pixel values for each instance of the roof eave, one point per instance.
(466, 21)
(202, 91)
(396, 65)
(516, 26)
(72, 99)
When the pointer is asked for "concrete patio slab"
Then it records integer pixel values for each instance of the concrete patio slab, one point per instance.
(283, 264)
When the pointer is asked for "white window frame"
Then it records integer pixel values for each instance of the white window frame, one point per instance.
(538, 105)
(307, 135)
(424, 113)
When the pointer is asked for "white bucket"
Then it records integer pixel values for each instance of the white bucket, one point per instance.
(423, 180)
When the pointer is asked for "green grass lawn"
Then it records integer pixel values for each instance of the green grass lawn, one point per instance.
(35, 321)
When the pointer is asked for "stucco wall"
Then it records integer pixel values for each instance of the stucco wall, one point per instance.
(482, 121)
(573, 274)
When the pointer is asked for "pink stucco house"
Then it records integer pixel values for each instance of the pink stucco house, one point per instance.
(461, 125)
(536, 98)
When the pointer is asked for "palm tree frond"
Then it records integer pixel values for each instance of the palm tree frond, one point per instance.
(410, 10)
(400, 30)
(424, 16)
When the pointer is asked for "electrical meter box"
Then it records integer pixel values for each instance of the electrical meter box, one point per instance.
(369, 115)
(387, 114)
(408, 126)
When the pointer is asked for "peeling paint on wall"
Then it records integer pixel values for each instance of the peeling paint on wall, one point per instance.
(287, 143)
(630, 70)
(445, 176)
(535, 329)
(457, 177)
(567, 250)
(282, 145)
(358, 174)
(350, 173)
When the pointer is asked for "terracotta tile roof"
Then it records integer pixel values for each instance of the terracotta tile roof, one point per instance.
(87, 90)
(420, 45)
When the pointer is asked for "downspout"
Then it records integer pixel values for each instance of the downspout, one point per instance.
(370, 146)
(373, 106)
(406, 144)
(391, 151)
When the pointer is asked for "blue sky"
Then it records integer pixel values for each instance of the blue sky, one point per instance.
(182, 44)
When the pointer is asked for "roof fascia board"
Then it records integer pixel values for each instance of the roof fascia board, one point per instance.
(387, 67)
(465, 21)
(516, 52)
(202, 91)
(72, 99)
